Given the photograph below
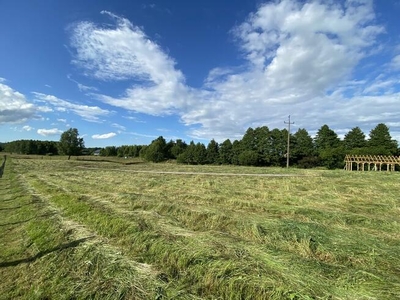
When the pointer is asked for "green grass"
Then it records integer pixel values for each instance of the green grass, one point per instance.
(98, 230)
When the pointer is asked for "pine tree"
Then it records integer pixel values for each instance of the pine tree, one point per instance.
(326, 138)
(225, 152)
(212, 152)
(380, 141)
(302, 145)
(355, 138)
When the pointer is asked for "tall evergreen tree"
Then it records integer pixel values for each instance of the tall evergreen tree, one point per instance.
(225, 152)
(329, 147)
(355, 138)
(278, 146)
(249, 140)
(212, 152)
(380, 141)
(237, 148)
(200, 156)
(263, 145)
(303, 145)
(326, 138)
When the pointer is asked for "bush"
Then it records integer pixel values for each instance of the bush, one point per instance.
(249, 158)
(309, 162)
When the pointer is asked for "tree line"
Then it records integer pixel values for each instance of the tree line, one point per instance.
(258, 147)
(264, 147)
(31, 147)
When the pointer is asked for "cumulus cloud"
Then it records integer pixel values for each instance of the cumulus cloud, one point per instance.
(103, 136)
(300, 60)
(88, 113)
(49, 132)
(14, 107)
(300, 56)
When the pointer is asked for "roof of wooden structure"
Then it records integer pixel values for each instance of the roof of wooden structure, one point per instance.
(377, 159)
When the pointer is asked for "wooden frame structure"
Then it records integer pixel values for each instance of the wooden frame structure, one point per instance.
(371, 162)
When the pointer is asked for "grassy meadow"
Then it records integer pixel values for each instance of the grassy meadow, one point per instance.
(83, 229)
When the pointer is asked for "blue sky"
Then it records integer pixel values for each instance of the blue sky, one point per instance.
(126, 72)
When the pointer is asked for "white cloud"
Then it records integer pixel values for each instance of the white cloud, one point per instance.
(115, 125)
(2, 79)
(144, 135)
(27, 128)
(395, 64)
(301, 57)
(135, 119)
(381, 86)
(44, 109)
(297, 52)
(103, 136)
(82, 87)
(120, 53)
(14, 108)
(48, 132)
(88, 113)
(62, 120)
(125, 52)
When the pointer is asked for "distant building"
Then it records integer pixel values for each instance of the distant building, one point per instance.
(97, 152)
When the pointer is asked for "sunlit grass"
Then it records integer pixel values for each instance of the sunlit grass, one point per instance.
(321, 235)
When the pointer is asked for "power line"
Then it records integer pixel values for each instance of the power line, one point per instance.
(288, 142)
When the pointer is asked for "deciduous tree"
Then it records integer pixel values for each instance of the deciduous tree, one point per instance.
(70, 143)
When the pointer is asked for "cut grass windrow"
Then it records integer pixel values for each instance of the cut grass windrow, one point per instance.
(327, 236)
(46, 256)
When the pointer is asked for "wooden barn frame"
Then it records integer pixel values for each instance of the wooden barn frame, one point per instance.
(371, 162)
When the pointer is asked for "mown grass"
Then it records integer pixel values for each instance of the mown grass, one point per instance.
(326, 235)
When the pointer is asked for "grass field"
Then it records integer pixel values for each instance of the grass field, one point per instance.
(103, 230)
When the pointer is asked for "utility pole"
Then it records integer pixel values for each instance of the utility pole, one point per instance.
(288, 142)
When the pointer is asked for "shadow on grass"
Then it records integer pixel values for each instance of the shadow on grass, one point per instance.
(3, 165)
(43, 253)
(16, 197)
(22, 205)
(27, 220)
(10, 208)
